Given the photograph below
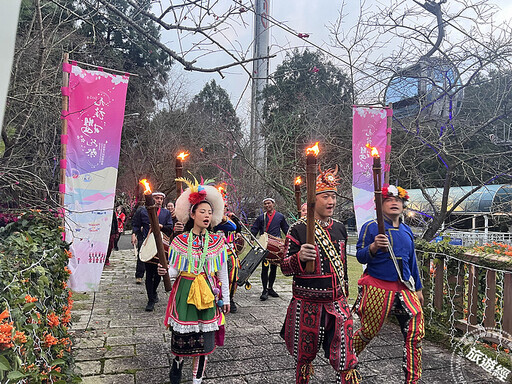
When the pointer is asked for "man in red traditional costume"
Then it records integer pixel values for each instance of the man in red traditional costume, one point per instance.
(271, 222)
(318, 314)
(383, 290)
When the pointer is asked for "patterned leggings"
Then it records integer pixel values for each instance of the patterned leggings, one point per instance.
(376, 304)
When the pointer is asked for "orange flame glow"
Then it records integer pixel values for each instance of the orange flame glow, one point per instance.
(146, 185)
(298, 180)
(375, 152)
(220, 188)
(182, 155)
(314, 149)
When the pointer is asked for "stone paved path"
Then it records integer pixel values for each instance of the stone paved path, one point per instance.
(118, 342)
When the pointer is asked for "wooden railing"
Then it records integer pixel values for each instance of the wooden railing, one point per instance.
(466, 288)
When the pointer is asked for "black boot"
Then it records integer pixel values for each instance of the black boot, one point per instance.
(150, 307)
(233, 307)
(175, 373)
(264, 295)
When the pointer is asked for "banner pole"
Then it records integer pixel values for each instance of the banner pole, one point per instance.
(389, 122)
(64, 132)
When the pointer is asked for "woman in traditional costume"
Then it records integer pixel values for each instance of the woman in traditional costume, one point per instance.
(198, 269)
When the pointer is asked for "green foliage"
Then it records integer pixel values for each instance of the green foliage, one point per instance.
(308, 100)
(30, 145)
(114, 44)
(214, 105)
(35, 303)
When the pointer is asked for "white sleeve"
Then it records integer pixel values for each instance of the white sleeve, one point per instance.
(222, 274)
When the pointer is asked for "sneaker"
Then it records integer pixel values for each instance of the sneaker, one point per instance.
(233, 308)
(138, 280)
(272, 293)
(264, 295)
(150, 307)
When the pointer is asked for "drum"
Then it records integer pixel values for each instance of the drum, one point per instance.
(148, 249)
(239, 244)
(275, 248)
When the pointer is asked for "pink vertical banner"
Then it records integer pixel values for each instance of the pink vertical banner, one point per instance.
(95, 121)
(369, 127)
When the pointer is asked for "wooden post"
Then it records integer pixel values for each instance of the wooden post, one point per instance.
(473, 295)
(64, 128)
(456, 283)
(507, 303)
(438, 284)
(490, 299)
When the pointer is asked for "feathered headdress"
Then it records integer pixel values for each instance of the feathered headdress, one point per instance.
(195, 194)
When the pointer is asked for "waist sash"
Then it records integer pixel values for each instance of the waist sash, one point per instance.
(318, 288)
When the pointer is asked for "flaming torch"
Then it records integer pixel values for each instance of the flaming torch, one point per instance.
(377, 187)
(179, 171)
(311, 154)
(155, 227)
(298, 202)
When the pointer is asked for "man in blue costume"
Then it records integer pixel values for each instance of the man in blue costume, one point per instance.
(389, 289)
(271, 222)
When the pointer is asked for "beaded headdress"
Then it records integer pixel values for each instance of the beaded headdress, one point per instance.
(327, 181)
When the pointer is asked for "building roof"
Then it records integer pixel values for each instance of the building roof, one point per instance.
(490, 199)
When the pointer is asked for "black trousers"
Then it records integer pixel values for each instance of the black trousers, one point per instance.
(141, 266)
(268, 279)
(152, 280)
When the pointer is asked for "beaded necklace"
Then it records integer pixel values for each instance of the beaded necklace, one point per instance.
(324, 224)
(196, 266)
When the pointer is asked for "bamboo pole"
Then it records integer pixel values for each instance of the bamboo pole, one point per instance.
(155, 227)
(311, 200)
(298, 202)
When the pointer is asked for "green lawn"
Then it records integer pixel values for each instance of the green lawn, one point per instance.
(354, 273)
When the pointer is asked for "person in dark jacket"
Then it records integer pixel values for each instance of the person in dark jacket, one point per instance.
(271, 222)
(140, 225)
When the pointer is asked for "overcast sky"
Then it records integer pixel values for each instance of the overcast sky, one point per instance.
(301, 16)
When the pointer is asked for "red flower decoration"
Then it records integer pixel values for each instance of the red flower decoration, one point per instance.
(197, 197)
(384, 193)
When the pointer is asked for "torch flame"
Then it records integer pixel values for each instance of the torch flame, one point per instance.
(375, 152)
(298, 180)
(182, 155)
(146, 185)
(314, 149)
